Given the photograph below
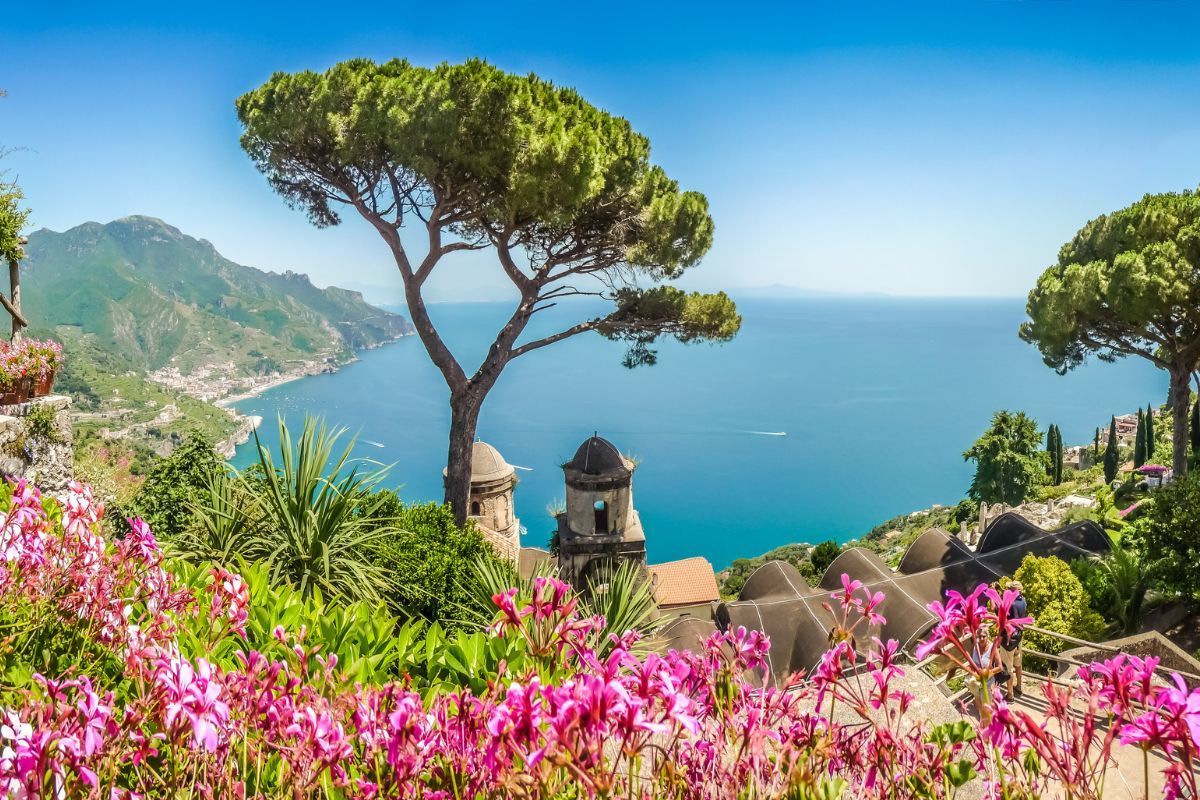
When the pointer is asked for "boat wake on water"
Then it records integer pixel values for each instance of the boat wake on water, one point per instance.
(767, 433)
(375, 444)
(518, 466)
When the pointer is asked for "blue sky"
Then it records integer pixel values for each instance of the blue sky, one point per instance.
(934, 149)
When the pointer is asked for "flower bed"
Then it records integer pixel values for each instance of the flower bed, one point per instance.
(121, 680)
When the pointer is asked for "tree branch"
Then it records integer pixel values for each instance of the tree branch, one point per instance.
(519, 279)
(439, 353)
(1124, 349)
(574, 330)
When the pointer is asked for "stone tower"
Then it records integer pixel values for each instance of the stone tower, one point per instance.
(491, 501)
(600, 527)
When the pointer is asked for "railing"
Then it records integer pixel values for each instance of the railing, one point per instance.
(1104, 648)
(940, 681)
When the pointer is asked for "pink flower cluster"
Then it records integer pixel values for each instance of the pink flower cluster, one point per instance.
(568, 715)
(29, 358)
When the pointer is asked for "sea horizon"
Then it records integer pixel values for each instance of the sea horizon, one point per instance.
(825, 417)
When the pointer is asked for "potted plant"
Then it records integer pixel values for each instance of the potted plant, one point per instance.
(44, 359)
(16, 382)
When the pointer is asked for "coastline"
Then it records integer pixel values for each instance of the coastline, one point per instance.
(228, 401)
(247, 424)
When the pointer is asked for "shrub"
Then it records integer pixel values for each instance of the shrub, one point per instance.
(1169, 536)
(426, 559)
(311, 518)
(164, 499)
(1126, 584)
(967, 510)
(1057, 602)
(822, 555)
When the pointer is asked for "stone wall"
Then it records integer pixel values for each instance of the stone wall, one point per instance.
(35, 442)
(1152, 643)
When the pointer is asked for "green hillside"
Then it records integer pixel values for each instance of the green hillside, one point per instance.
(155, 297)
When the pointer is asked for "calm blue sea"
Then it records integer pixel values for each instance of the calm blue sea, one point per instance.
(877, 397)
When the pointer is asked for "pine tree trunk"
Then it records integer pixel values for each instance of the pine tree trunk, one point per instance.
(1180, 399)
(464, 416)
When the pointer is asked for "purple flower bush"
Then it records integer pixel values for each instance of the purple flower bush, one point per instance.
(113, 689)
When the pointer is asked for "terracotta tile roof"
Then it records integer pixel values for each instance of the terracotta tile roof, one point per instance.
(530, 559)
(683, 583)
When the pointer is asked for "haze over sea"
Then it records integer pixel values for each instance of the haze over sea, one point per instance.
(878, 398)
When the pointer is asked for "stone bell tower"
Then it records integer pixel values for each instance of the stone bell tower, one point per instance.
(600, 527)
(490, 504)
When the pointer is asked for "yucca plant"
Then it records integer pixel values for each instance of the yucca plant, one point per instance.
(626, 600)
(320, 530)
(223, 516)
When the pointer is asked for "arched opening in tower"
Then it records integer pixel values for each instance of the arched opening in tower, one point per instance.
(601, 509)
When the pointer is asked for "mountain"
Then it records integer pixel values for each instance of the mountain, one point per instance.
(158, 298)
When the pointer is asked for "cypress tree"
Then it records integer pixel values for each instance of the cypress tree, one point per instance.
(1149, 432)
(1050, 442)
(1096, 443)
(1195, 430)
(1058, 456)
(1112, 456)
(1139, 442)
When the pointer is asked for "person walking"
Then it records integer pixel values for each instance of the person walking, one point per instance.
(1010, 647)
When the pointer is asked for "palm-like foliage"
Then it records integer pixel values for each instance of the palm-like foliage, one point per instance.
(626, 601)
(224, 514)
(1127, 578)
(319, 532)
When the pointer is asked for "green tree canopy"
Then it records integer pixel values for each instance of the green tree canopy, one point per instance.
(1128, 284)
(1054, 450)
(1151, 436)
(164, 499)
(13, 220)
(563, 194)
(427, 559)
(1008, 462)
(822, 555)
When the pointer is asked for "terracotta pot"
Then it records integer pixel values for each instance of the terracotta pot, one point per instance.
(19, 392)
(44, 384)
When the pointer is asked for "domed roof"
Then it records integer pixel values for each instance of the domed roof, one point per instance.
(487, 464)
(598, 456)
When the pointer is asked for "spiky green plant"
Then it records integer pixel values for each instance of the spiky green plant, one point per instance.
(626, 600)
(1127, 578)
(320, 530)
(223, 516)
